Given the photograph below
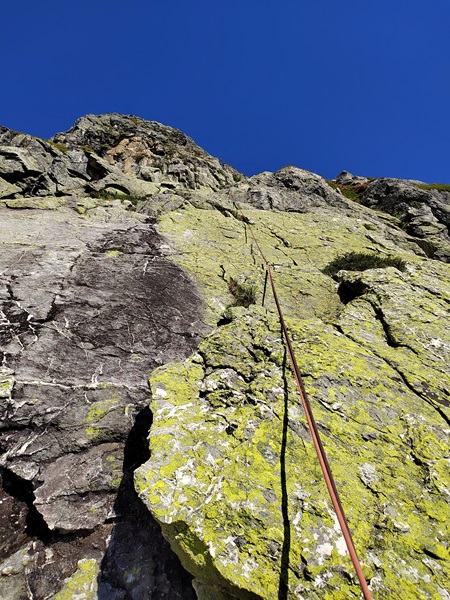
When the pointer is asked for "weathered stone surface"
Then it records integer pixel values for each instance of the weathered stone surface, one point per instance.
(218, 486)
(150, 151)
(376, 368)
(88, 310)
(424, 213)
(38, 168)
(213, 246)
(95, 296)
(39, 568)
(14, 161)
(115, 181)
(82, 584)
(90, 475)
(7, 189)
(13, 583)
(292, 189)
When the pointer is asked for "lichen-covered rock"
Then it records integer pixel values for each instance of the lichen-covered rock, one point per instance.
(95, 295)
(233, 478)
(235, 484)
(83, 583)
(215, 246)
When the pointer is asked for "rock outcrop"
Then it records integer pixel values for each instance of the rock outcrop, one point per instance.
(121, 251)
(422, 209)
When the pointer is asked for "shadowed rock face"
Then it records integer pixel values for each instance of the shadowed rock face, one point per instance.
(119, 240)
(88, 310)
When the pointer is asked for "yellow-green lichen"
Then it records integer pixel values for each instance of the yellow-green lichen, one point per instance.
(215, 248)
(234, 480)
(6, 385)
(97, 411)
(83, 583)
(37, 202)
(217, 459)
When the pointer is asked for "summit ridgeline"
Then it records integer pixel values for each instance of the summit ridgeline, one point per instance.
(153, 445)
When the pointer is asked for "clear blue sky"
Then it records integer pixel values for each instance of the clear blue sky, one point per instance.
(324, 85)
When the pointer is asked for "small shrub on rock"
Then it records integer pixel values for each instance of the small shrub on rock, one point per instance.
(361, 261)
(244, 293)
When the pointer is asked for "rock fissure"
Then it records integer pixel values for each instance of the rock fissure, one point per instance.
(22, 490)
(405, 381)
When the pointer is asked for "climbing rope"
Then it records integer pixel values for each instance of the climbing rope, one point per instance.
(320, 450)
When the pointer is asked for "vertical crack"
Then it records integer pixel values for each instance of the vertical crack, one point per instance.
(136, 545)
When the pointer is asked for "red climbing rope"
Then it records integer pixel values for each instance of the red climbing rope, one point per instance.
(326, 469)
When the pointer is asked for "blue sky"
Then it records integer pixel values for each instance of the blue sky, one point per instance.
(324, 85)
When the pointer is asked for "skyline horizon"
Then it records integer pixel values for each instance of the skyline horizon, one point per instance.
(369, 176)
(322, 86)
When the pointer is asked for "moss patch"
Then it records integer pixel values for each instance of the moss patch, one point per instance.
(440, 187)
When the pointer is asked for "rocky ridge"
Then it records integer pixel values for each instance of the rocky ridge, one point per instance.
(119, 241)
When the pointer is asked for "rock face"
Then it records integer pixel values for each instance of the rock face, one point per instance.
(88, 309)
(423, 210)
(249, 515)
(149, 151)
(120, 239)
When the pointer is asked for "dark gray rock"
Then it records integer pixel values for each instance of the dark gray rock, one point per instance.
(87, 310)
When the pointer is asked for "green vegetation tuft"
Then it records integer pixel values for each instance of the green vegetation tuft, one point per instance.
(244, 293)
(351, 191)
(361, 261)
(57, 145)
(106, 195)
(440, 187)
(88, 150)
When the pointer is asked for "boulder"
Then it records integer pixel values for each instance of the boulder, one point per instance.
(292, 189)
(8, 190)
